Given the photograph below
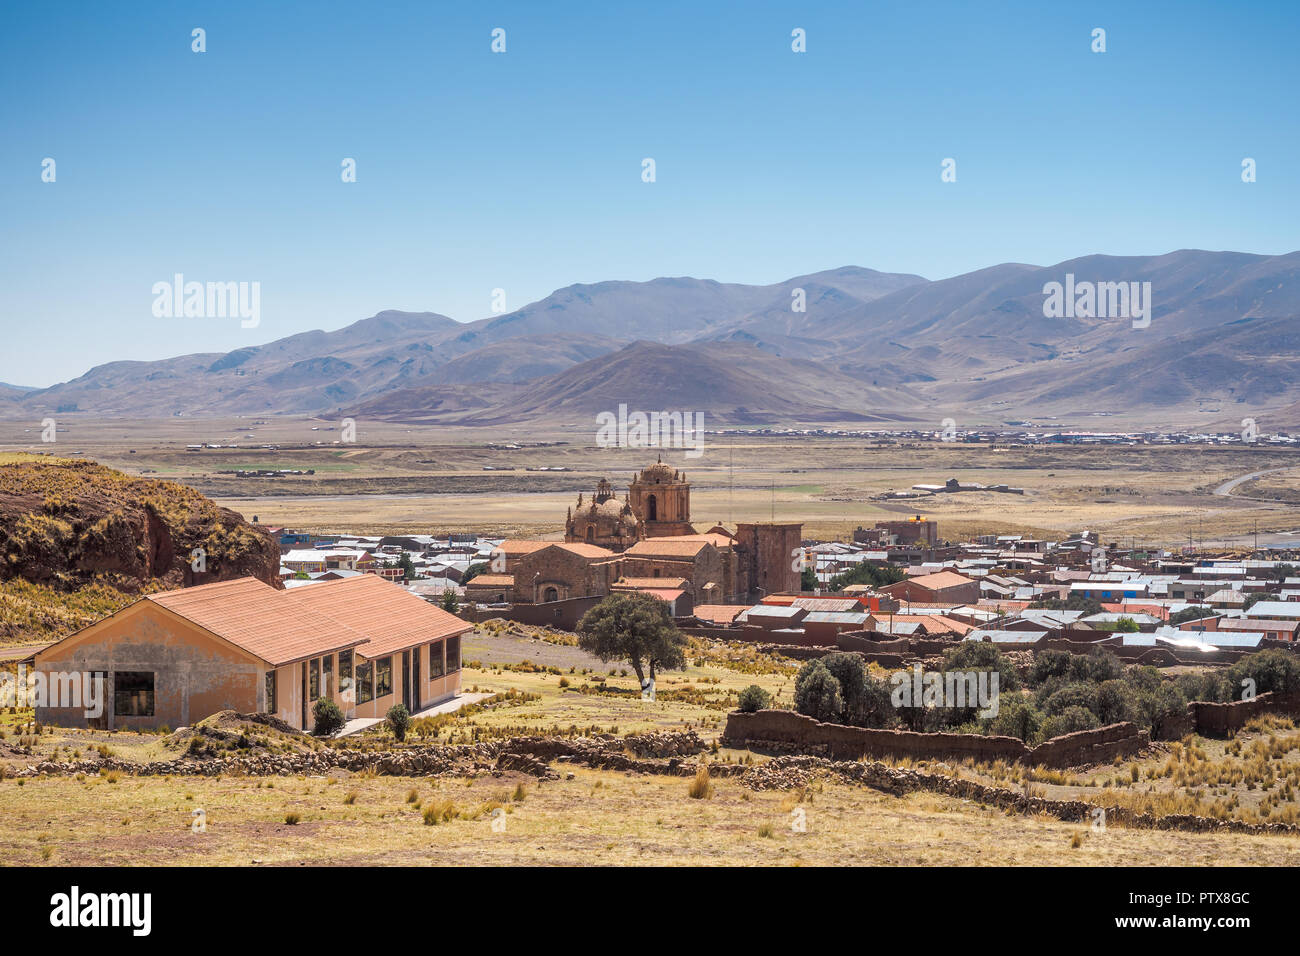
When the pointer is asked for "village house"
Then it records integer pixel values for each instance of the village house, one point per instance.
(172, 658)
(942, 587)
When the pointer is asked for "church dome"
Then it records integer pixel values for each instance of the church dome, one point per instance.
(614, 509)
(659, 473)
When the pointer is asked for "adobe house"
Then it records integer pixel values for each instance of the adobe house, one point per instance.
(942, 587)
(175, 657)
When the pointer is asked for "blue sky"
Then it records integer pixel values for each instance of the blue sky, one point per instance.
(522, 170)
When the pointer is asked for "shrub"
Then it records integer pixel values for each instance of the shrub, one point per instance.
(1077, 694)
(1116, 701)
(817, 693)
(1097, 665)
(981, 656)
(1017, 717)
(1274, 670)
(329, 719)
(1152, 706)
(1047, 665)
(399, 720)
(292, 819)
(753, 698)
(1070, 720)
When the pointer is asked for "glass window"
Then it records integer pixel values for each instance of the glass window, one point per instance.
(327, 672)
(453, 654)
(346, 690)
(436, 666)
(133, 694)
(383, 677)
(313, 679)
(270, 692)
(365, 689)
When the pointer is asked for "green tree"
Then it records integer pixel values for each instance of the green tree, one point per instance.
(817, 695)
(1154, 705)
(633, 627)
(981, 656)
(473, 571)
(1256, 598)
(808, 580)
(870, 575)
(1272, 671)
(450, 601)
(1097, 665)
(1049, 664)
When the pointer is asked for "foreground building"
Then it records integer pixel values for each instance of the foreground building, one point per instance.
(175, 657)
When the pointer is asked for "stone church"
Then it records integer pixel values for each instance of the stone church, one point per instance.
(658, 505)
(646, 542)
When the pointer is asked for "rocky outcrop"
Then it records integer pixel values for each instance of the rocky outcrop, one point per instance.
(67, 523)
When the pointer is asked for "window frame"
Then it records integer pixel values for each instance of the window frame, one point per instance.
(383, 669)
(364, 681)
(151, 690)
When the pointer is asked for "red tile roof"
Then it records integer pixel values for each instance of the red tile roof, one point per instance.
(392, 617)
(260, 619)
(375, 616)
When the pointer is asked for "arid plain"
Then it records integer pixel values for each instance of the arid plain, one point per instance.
(432, 479)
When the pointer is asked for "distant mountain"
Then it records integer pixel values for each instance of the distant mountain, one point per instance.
(866, 346)
(733, 383)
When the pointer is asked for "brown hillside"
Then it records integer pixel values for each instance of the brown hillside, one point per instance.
(66, 524)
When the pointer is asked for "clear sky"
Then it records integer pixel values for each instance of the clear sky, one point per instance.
(522, 170)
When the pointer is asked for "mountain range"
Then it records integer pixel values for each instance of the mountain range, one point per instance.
(868, 347)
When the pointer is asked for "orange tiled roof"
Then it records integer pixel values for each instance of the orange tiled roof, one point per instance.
(722, 613)
(392, 617)
(940, 579)
(930, 623)
(584, 550)
(626, 582)
(491, 580)
(515, 546)
(685, 546)
(261, 619)
(375, 616)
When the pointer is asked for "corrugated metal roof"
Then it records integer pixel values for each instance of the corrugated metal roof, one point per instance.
(1006, 637)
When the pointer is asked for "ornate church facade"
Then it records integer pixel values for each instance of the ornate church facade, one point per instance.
(646, 541)
(658, 505)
